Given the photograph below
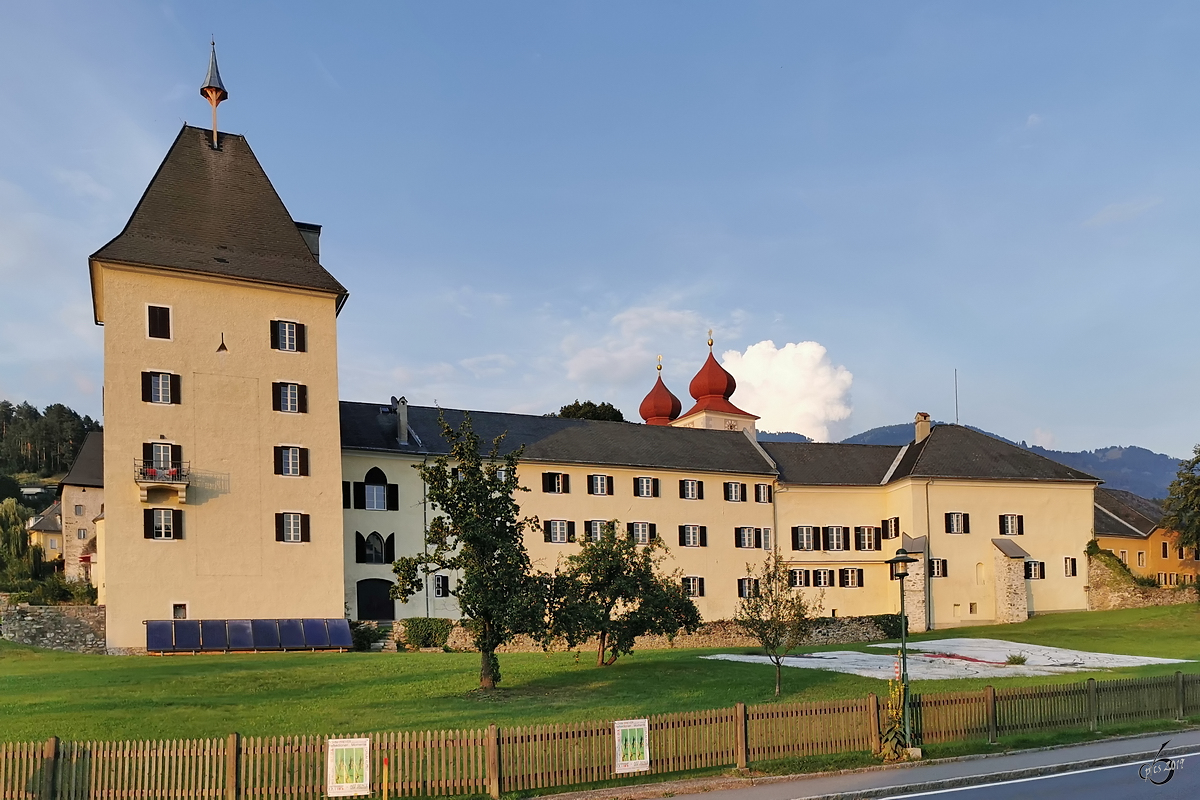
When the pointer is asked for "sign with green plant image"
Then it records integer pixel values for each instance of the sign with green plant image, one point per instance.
(348, 767)
(633, 745)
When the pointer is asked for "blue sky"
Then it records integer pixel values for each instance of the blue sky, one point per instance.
(530, 201)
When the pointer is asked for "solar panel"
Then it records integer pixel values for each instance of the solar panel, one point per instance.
(158, 636)
(241, 636)
(291, 634)
(315, 635)
(266, 634)
(187, 634)
(213, 635)
(339, 633)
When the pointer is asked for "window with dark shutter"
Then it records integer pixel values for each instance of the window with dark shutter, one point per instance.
(278, 460)
(148, 523)
(609, 481)
(305, 530)
(304, 461)
(147, 387)
(279, 527)
(276, 396)
(301, 337)
(275, 341)
(176, 394)
(159, 322)
(758, 538)
(570, 530)
(654, 488)
(177, 523)
(389, 548)
(345, 494)
(302, 398)
(393, 496)
(360, 494)
(683, 536)
(360, 546)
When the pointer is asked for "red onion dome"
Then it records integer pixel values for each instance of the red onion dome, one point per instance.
(712, 381)
(660, 406)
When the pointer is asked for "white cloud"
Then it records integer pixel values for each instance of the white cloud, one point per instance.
(795, 388)
(1043, 438)
(1121, 212)
(629, 350)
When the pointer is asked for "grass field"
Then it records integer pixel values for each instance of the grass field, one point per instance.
(45, 693)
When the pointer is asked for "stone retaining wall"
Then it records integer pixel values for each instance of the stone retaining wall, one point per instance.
(1110, 586)
(75, 629)
(722, 633)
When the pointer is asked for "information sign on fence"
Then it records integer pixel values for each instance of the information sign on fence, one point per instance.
(633, 745)
(348, 767)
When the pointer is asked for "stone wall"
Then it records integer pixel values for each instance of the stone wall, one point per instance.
(1012, 601)
(1111, 586)
(76, 629)
(723, 633)
(916, 595)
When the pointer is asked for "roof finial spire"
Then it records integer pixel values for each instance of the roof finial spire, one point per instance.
(710, 340)
(659, 364)
(213, 90)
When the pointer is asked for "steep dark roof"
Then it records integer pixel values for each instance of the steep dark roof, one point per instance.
(554, 439)
(1119, 513)
(1010, 548)
(88, 469)
(812, 463)
(49, 521)
(215, 212)
(953, 451)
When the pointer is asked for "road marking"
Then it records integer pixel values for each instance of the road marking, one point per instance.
(1035, 778)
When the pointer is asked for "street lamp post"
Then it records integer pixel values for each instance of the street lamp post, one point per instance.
(900, 570)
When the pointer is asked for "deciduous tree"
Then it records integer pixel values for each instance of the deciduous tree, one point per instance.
(589, 410)
(1182, 506)
(775, 613)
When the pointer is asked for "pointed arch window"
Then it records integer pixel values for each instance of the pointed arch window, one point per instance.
(373, 493)
(374, 548)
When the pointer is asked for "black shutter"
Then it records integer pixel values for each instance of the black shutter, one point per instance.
(279, 528)
(304, 461)
(682, 536)
(393, 497)
(546, 531)
(1020, 524)
(176, 454)
(700, 587)
(547, 483)
(1002, 531)
(653, 531)
(301, 337)
(878, 532)
(360, 495)
(570, 530)
(590, 484)
(796, 538)
(654, 487)
(175, 393)
(860, 577)
(389, 548)
(305, 530)
(682, 493)
(858, 538)
(945, 567)
(1028, 564)
(966, 523)
(770, 493)
(360, 548)
(608, 480)
(743, 493)
(703, 539)
(302, 398)
(147, 389)
(758, 538)
(727, 485)
(807, 578)
(629, 530)
(147, 453)
(700, 493)
(277, 397)
(275, 338)
(818, 538)
(278, 460)
(566, 483)
(148, 523)
(177, 523)
(345, 494)
(635, 488)
(842, 577)
(949, 524)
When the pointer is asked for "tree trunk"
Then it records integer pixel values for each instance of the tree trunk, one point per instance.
(487, 678)
(602, 641)
(778, 675)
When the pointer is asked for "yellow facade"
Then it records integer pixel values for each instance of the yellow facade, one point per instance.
(228, 563)
(1156, 556)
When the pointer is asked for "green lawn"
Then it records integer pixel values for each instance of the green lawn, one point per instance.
(44, 693)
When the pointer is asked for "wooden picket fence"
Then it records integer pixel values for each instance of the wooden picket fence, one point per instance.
(495, 760)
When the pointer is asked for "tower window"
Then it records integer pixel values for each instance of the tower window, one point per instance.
(158, 322)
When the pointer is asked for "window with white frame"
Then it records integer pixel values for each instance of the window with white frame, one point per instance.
(594, 528)
(1173, 580)
(937, 568)
(891, 528)
(289, 397)
(558, 530)
(441, 585)
(160, 455)
(160, 387)
(287, 336)
(599, 483)
(747, 587)
(644, 487)
(762, 492)
(693, 586)
(78, 511)
(376, 496)
(291, 466)
(1035, 570)
(798, 578)
(52, 543)
(291, 527)
(691, 535)
(835, 537)
(958, 522)
(1012, 525)
(745, 537)
(734, 492)
(81, 533)
(1124, 556)
(641, 532)
(556, 483)
(822, 578)
(164, 523)
(766, 538)
(1070, 567)
(1162, 579)
(1181, 555)
(803, 537)
(1141, 558)
(865, 537)
(850, 577)
(689, 489)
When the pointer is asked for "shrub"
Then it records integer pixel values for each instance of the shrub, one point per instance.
(1015, 658)
(427, 631)
(364, 634)
(1145, 580)
(55, 590)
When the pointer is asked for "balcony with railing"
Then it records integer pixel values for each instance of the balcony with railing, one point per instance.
(151, 474)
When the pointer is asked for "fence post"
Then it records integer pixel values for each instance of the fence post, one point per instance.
(49, 757)
(989, 696)
(1179, 710)
(233, 746)
(739, 717)
(1093, 705)
(873, 721)
(493, 761)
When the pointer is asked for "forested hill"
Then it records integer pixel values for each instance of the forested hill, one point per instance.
(44, 442)
(1133, 469)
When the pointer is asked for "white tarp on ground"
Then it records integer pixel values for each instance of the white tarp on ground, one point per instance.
(942, 659)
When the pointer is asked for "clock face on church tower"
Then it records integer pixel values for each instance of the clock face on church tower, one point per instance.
(731, 425)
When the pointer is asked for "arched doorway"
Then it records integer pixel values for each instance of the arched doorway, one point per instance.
(375, 599)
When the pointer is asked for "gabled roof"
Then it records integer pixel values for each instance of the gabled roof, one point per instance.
(50, 520)
(954, 451)
(88, 468)
(818, 464)
(1119, 513)
(365, 426)
(215, 212)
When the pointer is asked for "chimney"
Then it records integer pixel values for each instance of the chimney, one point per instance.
(312, 237)
(401, 420)
(922, 426)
